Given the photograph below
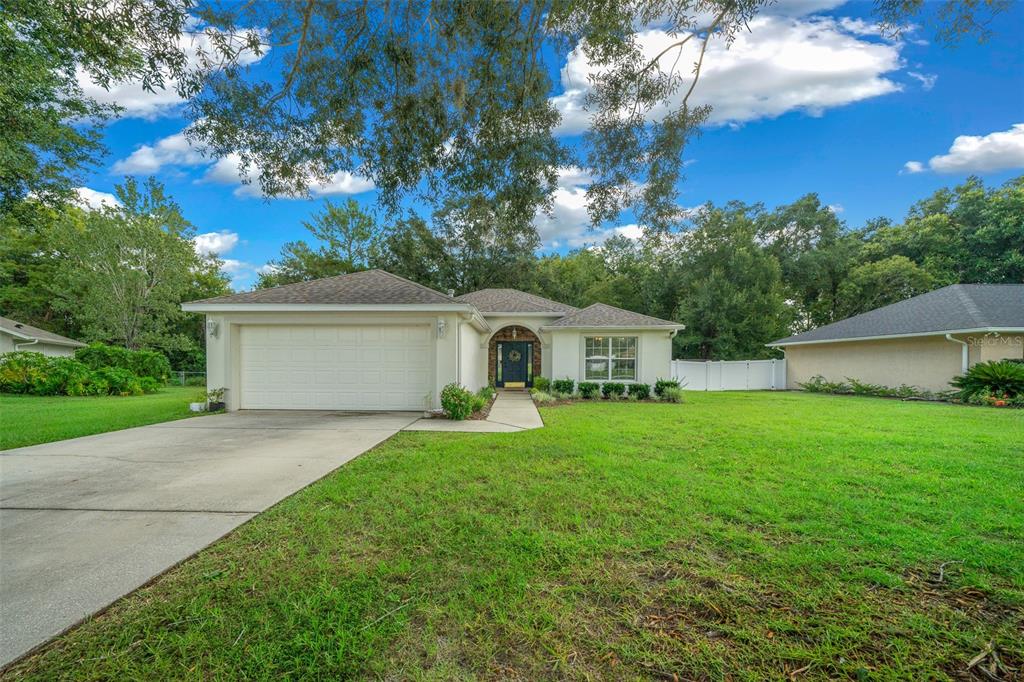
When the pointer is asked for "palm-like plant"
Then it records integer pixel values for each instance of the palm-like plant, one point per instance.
(995, 377)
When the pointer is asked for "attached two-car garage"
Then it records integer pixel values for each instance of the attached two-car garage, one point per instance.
(335, 367)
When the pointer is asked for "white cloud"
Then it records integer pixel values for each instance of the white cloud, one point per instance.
(927, 80)
(835, 209)
(1003, 150)
(913, 167)
(92, 199)
(783, 64)
(137, 102)
(174, 150)
(219, 243)
(568, 223)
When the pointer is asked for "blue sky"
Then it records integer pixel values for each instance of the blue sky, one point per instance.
(811, 100)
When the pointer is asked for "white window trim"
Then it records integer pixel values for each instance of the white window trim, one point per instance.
(583, 358)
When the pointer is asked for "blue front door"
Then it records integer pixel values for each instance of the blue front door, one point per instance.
(513, 368)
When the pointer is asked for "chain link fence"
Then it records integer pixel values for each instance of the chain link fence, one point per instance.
(181, 378)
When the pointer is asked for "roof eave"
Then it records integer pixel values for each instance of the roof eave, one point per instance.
(976, 330)
(56, 342)
(515, 314)
(626, 327)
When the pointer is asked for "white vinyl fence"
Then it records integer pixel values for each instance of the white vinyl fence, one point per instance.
(730, 375)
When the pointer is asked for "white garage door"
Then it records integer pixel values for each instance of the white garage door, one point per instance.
(335, 368)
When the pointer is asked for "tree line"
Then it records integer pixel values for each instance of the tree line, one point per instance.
(737, 275)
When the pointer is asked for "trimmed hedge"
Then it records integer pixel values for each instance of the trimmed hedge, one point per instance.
(563, 386)
(589, 389)
(613, 389)
(640, 391)
(661, 384)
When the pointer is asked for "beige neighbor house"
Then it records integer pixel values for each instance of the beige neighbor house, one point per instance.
(375, 341)
(19, 336)
(923, 341)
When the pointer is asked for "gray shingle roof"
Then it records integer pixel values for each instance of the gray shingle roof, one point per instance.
(959, 306)
(27, 330)
(358, 288)
(602, 315)
(512, 301)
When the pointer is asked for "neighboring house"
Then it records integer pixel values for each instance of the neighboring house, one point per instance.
(20, 336)
(924, 341)
(375, 341)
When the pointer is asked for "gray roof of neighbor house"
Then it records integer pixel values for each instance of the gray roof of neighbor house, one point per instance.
(603, 315)
(28, 332)
(513, 301)
(368, 287)
(958, 307)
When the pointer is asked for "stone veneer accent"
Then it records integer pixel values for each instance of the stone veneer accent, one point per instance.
(505, 334)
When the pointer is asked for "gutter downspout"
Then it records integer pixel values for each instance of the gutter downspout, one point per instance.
(33, 342)
(964, 355)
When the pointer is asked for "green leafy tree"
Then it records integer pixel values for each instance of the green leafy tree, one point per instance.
(873, 285)
(125, 270)
(733, 299)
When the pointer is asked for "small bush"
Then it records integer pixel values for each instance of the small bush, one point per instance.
(476, 403)
(993, 378)
(640, 391)
(613, 389)
(542, 384)
(661, 384)
(149, 384)
(864, 388)
(456, 402)
(21, 371)
(672, 394)
(541, 397)
(563, 386)
(589, 389)
(487, 392)
(818, 384)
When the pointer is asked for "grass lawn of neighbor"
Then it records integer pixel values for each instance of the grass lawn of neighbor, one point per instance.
(30, 419)
(739, 536)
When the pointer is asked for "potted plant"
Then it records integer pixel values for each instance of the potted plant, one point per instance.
(198, 406)
(215, 399)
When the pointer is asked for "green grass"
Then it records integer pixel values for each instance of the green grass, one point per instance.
(30, 419)
(737, 536)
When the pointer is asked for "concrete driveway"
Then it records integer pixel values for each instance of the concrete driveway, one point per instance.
(87, 520)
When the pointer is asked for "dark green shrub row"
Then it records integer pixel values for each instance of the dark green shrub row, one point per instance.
(613, 389)
(459, 403)
(563, 386)
(542, 384)
(141, 363)
(661, 384)
(37, 374)
(818, 384)
(589, 389)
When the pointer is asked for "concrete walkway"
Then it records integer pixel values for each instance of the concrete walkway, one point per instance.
(512, 411)
(87, 520)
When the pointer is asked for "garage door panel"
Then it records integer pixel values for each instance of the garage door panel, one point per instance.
(335, 367)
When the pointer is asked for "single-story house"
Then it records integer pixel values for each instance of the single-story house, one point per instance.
(923, 341)
(20, 336)
(374, 341)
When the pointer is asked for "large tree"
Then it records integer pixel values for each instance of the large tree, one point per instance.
(125, 270)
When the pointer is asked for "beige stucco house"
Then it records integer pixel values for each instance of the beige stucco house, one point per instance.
(923, 341)
(19, 336)
(375, 341)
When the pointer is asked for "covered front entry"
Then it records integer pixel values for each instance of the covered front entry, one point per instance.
(515, 357)
(336, 367)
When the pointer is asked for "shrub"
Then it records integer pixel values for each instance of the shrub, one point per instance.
(563, 386)
(542, 397)
(119, 381)
(993, 378)
(672, 394)
(542, 384)
(589, 389)
(476, 403)
(661, 384)
(21, 371)
(143, 363)
(818, 384)
(456, 402)
(864, 388)
(640, 391)
(487, 392)
(612, 389)
(149, 384)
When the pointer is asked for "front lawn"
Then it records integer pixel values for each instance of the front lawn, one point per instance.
(736, 536)
(30, 419)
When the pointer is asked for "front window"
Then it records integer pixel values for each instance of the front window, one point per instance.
(610, 358)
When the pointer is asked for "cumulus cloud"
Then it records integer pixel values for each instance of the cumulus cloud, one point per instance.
(92, 199)
(176, 151)
(219, 243)
(783, 64)
(136, 102)
(1003, 150)
(568, 223)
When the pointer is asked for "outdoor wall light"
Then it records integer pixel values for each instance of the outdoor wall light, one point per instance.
(212, 328)
(442, 327)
